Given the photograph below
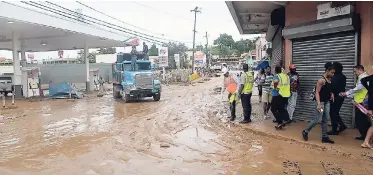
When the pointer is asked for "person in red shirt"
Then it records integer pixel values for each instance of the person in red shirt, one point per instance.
(294, 88)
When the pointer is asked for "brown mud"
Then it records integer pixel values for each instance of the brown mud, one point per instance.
(186, 132)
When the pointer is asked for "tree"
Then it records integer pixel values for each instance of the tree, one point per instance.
(199, 48)
(242, 46)
(108, 50)
(226, 46)
(153, 51)
(91, 57)
(224, 39)
(174, 48)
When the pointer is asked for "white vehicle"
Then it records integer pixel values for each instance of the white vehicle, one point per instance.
(6, 84)
(218, 66)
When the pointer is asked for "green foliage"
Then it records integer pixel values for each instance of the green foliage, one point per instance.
(226, 46)
(108, 50)
(91, 57)
(153, 51)
(175, 48)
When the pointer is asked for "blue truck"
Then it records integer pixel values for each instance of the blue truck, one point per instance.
(133, 78)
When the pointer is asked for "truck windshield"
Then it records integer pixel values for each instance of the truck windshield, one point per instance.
(126, 66)
(143, 66)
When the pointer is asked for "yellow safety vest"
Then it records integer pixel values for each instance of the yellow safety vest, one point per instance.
(360, 95)
(248, 86)
(283, 85)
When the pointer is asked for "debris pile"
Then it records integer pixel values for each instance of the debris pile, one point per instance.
(174, 76)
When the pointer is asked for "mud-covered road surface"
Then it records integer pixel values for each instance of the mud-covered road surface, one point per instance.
(184, 133)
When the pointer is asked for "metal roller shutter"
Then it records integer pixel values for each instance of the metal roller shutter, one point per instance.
(277, 51)
(310, 55)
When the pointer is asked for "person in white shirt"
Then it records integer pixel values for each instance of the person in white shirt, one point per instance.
(361, 121)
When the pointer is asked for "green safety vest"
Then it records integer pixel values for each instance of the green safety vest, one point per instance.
(248, 86)
(283, 85)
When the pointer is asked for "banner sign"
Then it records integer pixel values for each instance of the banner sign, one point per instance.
(163, 56)
(199, 59)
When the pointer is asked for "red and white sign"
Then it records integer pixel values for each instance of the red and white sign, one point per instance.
(60, 53)
(163, 56)
(30, 56)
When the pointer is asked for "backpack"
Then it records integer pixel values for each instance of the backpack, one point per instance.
(312, 96)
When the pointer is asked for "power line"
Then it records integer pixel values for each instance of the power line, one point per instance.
(53, 10)
(54, 16)
(116, 18)
(103, 21)
(176, 16)
(131, 24)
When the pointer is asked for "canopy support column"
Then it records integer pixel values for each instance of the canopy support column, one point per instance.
(86, 53)
(17, 81)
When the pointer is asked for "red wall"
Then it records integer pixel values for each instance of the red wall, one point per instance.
(300, 12)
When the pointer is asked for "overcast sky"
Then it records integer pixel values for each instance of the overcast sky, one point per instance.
(172, 19)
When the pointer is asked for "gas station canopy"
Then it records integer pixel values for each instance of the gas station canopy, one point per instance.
(46, 32)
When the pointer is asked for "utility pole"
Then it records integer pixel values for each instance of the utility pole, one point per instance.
(207, 50)
(195, 10)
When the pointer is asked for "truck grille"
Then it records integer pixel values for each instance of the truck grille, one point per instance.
(144, 81)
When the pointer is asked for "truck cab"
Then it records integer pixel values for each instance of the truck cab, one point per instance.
(133, 78)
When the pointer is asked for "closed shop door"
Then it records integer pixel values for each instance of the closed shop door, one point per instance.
(277, 51)
(310, 55)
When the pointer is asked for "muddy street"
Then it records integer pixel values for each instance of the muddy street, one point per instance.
(184, 133)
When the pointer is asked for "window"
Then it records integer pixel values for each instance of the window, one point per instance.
(143, 66)
(127, 67)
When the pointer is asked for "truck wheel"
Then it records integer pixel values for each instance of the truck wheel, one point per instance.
(127, 98)
(157, 97)
(116, 91)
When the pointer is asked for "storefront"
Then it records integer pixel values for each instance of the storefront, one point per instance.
(315, 33)
(315, 43)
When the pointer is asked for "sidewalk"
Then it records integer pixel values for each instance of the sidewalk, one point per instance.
(293, 132)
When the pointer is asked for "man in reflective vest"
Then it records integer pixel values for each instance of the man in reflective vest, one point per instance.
(280, 96)
(359, 93)
(245, 91)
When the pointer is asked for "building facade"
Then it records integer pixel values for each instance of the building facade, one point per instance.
(261, 45)
(309, 34)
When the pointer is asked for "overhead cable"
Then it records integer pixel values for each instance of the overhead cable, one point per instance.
(53, 10)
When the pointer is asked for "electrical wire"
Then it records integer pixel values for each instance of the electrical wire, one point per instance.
(115, 18)
(176, 16)
(54, 16)
(110, 23)
(128, 23)
(53, 10)
(77, 14)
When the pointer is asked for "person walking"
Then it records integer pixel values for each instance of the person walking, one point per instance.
(359, 93)
(267, 96)
(322, 98)
(280, 95)
(259, 79)
(245, 91)
(294, 88)
(230, 84)
(367, 82)
(338, 86)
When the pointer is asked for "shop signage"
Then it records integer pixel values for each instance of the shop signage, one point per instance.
(326, 11)
(199, 59)
(163, 56)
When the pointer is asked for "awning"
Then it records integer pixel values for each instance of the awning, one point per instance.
(263, 63)
(253, 17)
